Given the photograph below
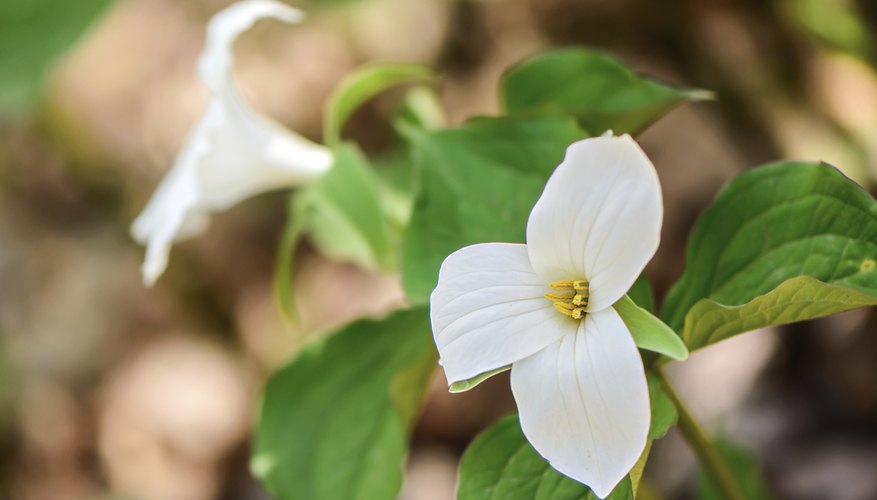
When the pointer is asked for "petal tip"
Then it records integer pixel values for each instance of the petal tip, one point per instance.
(603, 491)
(225, 26)
(150, 276)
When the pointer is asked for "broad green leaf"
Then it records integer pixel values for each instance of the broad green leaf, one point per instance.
(501, 465)
(33, 33)
(343, 213)
(334, 421)
(477, 183)
(745, 469)
(592, 86)
(664, 415)
(649, 332)
(360, 86)
(796, 299)
(803, 222)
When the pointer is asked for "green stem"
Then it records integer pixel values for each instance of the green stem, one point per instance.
(712, 462)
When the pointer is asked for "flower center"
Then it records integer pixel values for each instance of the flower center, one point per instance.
(571, 297)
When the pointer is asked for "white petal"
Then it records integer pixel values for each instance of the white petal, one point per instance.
(489, 310)
(232, 153)
(583, 402)
(217, 59)
(599, 218)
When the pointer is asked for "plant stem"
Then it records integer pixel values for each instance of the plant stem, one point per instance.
(712, 462)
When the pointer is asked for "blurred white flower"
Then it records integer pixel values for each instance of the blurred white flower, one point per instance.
(545, 309)
(232, 153)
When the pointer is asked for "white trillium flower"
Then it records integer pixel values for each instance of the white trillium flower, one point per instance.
(545, 309)
(233, 152)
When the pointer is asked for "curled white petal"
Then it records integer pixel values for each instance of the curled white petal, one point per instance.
(583, 402)
(489, 311)
(231, 154)
(599, 218)
(217, 59)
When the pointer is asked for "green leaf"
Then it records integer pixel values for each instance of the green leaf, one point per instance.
(347, 217)
(334, 422)
(477, 183)
(501, 465)
(745, 469)
(664, 415)
(796, 299)
(837, 23)
(649, 332)
(33, 33)
(395, 174)
(343, 213)
(802, 222)
(360, 86)
(594, 87)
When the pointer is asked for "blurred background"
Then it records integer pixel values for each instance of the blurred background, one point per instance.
(109, 390)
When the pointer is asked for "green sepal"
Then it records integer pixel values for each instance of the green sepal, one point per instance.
(649, 332)
(465, 385)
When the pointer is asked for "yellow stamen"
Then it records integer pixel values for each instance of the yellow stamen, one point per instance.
(571, 299)
(564, 306)
(572, 312)
(563, 285)
(560, 297)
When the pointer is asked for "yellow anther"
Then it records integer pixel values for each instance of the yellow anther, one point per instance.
(563, 285)
(564, 307)
(571, 299)
(567, 310)
(562, 310)
(560, 297)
